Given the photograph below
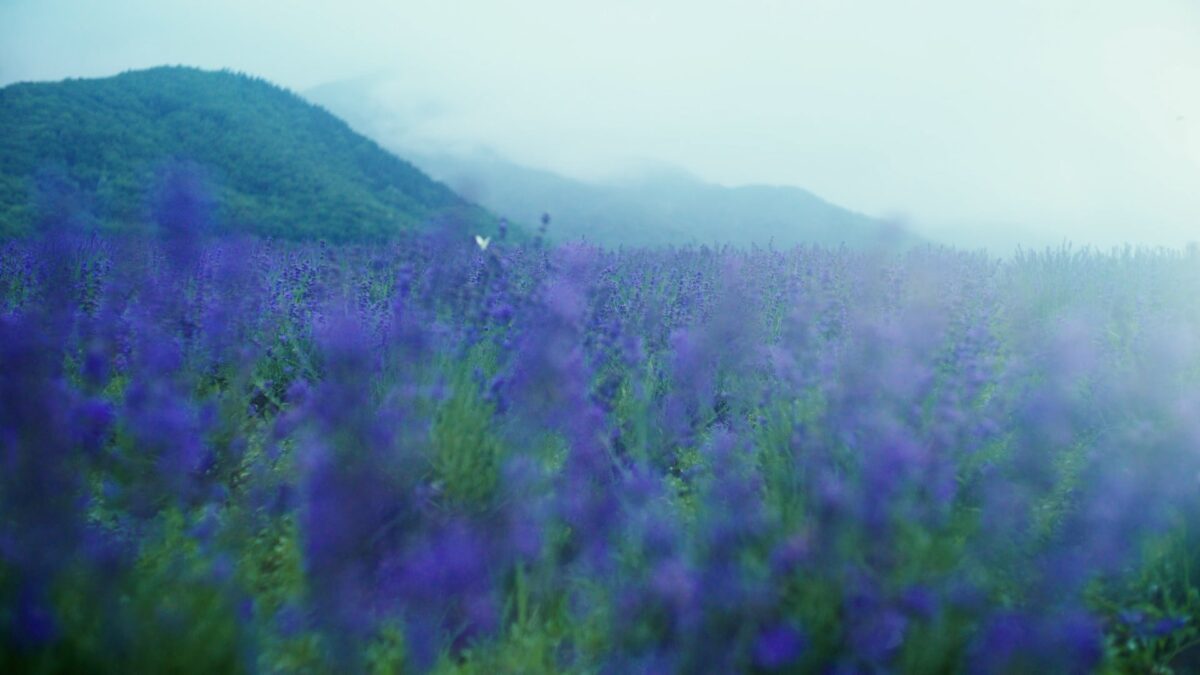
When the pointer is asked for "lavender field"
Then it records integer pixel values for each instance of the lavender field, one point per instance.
(240, 455)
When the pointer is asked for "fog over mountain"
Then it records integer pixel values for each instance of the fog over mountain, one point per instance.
(1016, 122)
(651, 203)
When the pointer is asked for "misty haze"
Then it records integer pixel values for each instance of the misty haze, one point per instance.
(623, 337)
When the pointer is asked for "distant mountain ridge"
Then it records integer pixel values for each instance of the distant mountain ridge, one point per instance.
(658, 208)
(661, 207)
(279, 165)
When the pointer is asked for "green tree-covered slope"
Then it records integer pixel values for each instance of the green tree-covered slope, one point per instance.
(277, 165)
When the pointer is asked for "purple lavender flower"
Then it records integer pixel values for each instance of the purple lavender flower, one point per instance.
(778, 646)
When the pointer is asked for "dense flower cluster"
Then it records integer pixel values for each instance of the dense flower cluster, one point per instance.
(221, 455)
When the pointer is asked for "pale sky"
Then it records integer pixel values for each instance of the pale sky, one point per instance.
(973, 120)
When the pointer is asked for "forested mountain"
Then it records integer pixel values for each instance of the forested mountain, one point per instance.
(275, 164)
